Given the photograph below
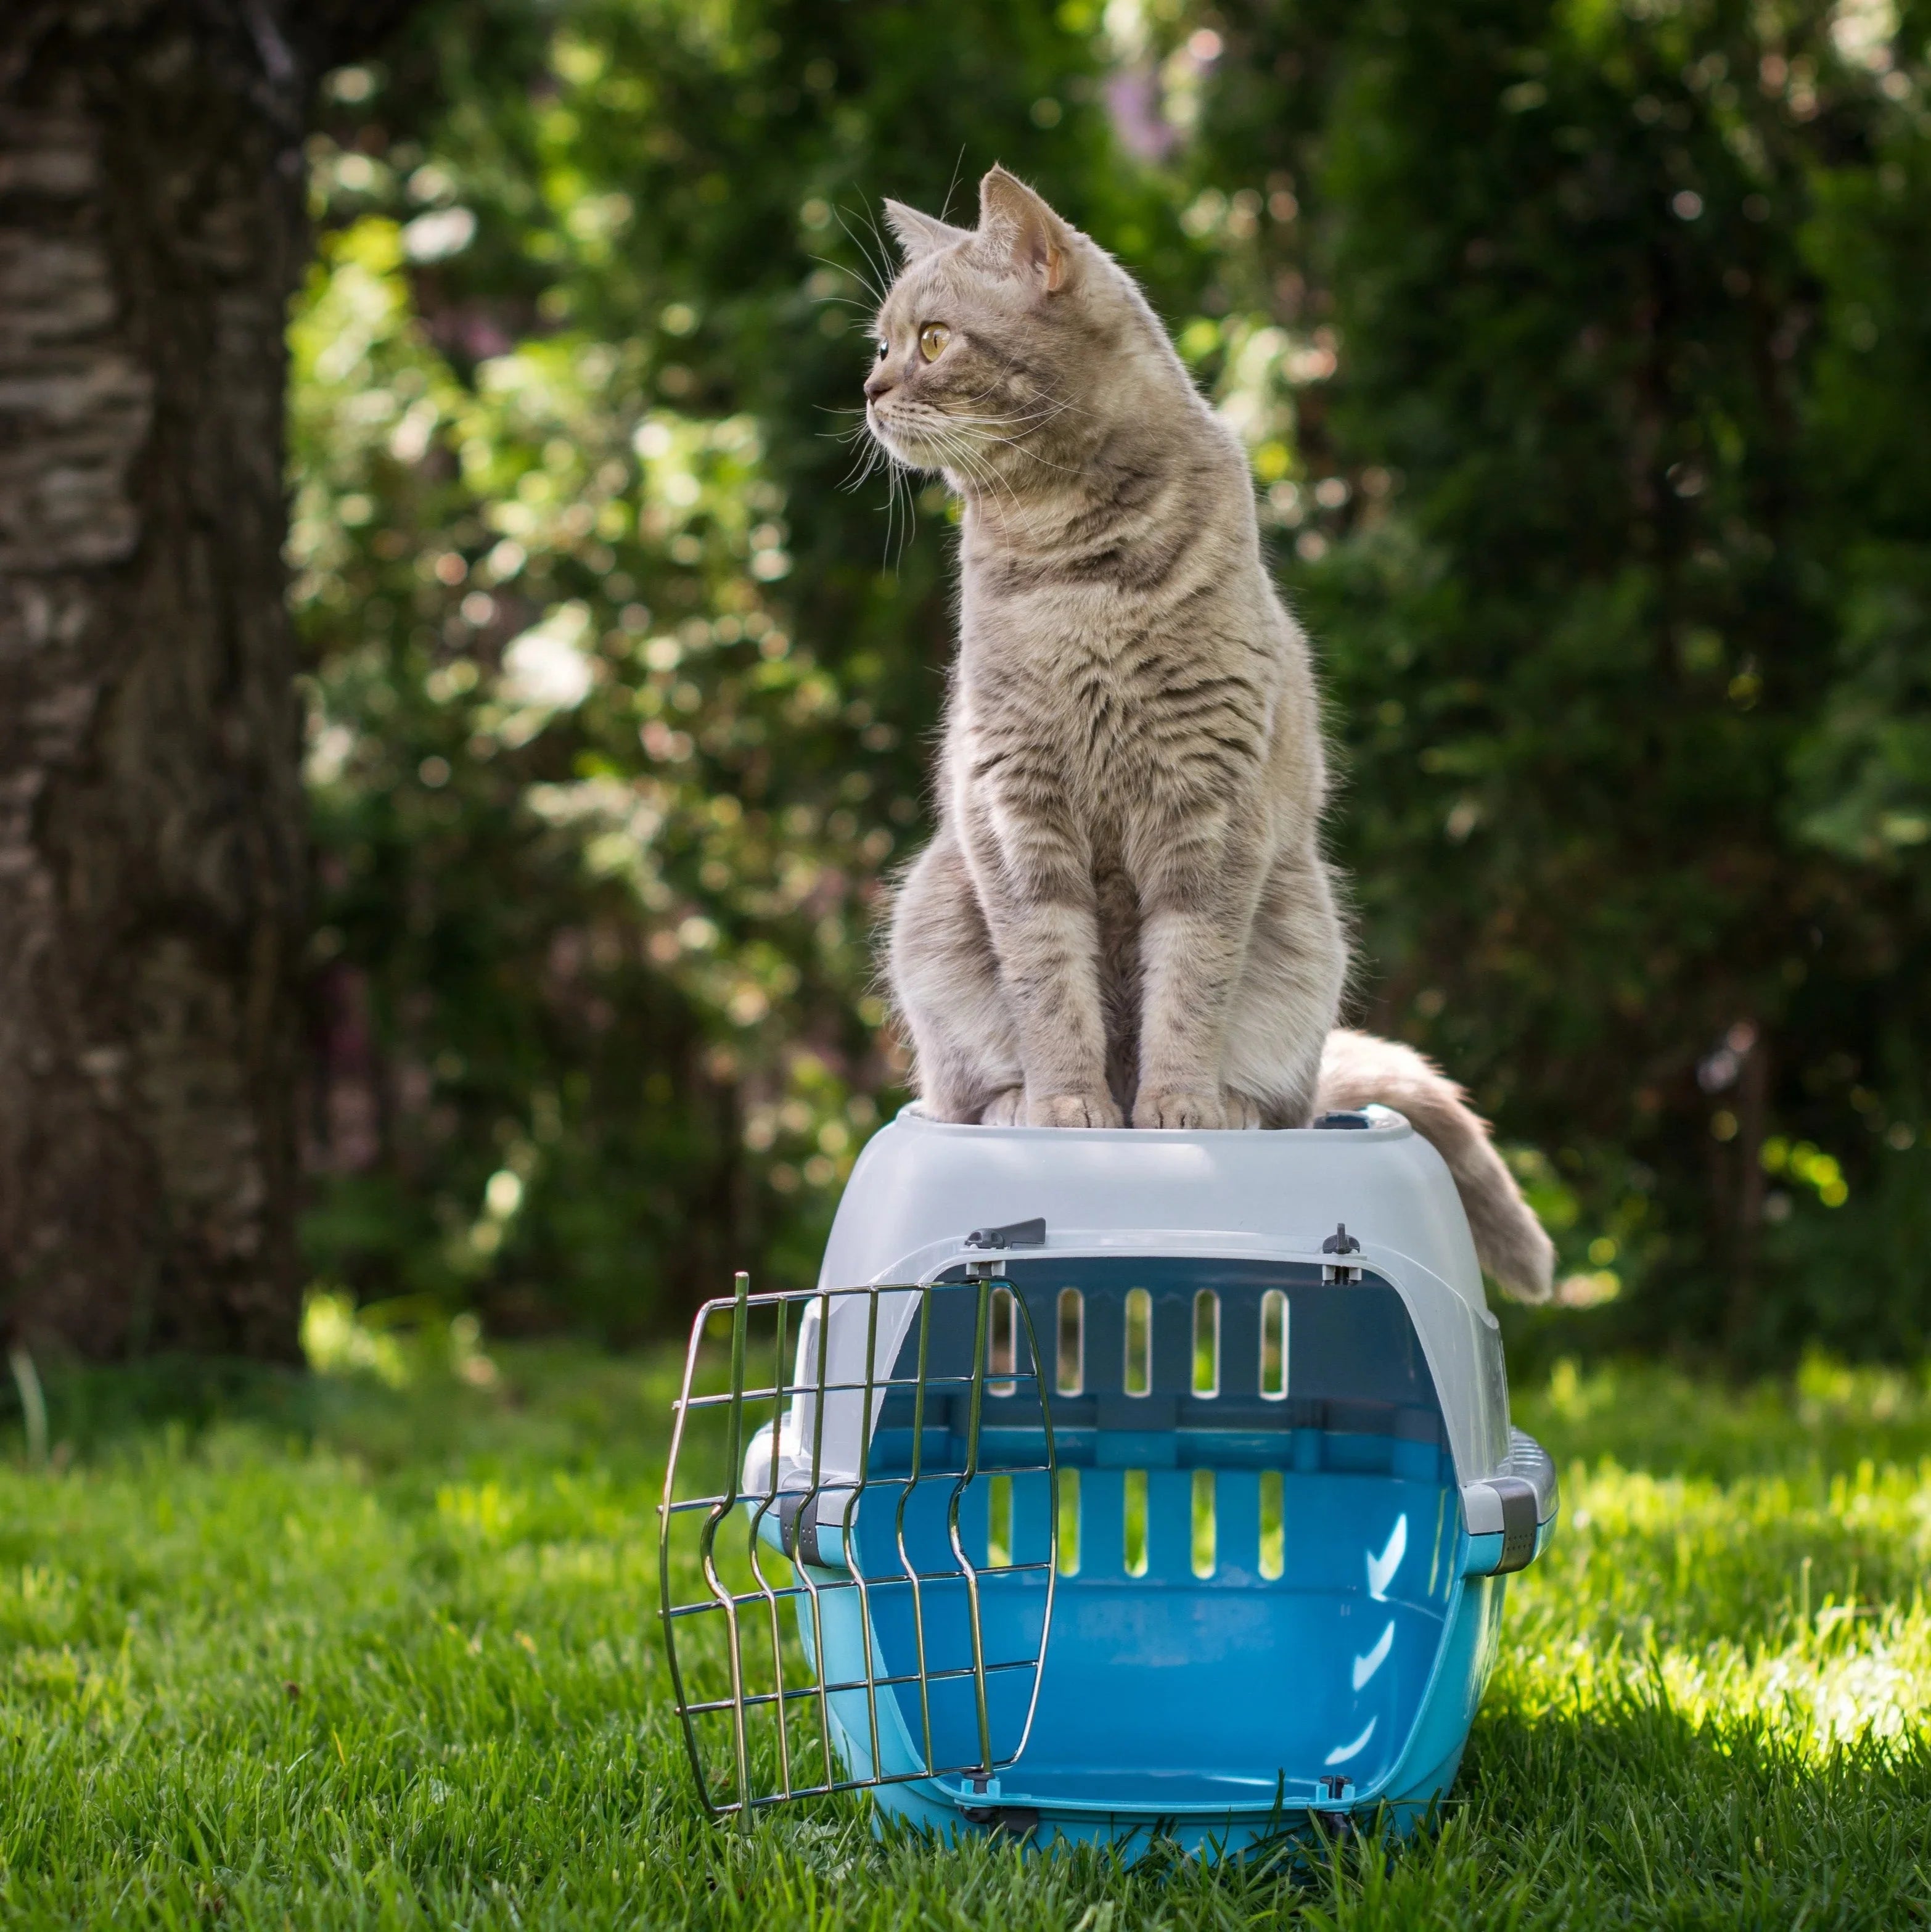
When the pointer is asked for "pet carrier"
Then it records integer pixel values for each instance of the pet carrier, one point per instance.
(1114, 1484)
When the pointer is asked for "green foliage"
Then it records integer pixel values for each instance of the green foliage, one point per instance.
(1581, 350)
(1621, 593)
(619, 700)
(387, 1657)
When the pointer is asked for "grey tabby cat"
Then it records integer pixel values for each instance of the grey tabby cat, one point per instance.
(1125, 913)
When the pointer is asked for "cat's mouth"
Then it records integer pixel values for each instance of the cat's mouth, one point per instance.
(912, 443)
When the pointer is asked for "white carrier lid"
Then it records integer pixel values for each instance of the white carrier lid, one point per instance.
(921, 1187)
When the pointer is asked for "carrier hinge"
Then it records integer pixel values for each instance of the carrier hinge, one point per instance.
(1014, 1821)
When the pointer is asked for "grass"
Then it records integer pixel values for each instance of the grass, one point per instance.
(329, 1653)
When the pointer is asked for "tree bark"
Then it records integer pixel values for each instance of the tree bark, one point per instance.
(152, 847)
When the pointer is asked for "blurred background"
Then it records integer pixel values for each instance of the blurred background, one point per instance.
(1583, 352)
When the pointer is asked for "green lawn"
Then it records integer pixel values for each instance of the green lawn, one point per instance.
(333, 1654)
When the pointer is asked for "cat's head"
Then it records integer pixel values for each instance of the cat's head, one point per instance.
(1005, 351)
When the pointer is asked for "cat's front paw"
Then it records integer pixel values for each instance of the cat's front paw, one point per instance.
(1179, 1107)
(1072, 1110)
(1006, 1109)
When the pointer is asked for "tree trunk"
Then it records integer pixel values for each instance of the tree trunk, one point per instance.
(152, 848)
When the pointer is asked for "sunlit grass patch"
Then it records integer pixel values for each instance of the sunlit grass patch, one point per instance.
(1794, 1603)
(388, 1656)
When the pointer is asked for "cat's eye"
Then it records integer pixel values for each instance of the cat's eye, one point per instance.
(884, 350)
(932, 341)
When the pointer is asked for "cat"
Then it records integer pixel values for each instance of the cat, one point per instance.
(1125, 913)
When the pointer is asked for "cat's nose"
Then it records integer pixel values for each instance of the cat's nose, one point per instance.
(876, 383)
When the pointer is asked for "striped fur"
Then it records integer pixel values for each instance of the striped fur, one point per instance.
(1125, 913)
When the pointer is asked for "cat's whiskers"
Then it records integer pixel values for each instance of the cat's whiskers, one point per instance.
(1020, 421)
(857, 275)
(901, 484)
(891, 505)
(1049, 408)
(1058, 403)
(1067, 403)
(934, 437)
(983, 434)
(857, 427)
(966, 446)
(1032, 455)
(879, 278)
(868, 460)
(886, 252)
(868, 451)
(957, 454)
(998, 429)
(898, 472)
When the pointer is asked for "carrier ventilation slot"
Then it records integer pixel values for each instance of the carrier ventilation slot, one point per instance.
(1273, 1524)
(1274, 1346)
(1001, 1343)
(999, 1524)
(1134, 1525)
(1204, 1524)
(1071, 1379)
(1139, 1529)
(1206, 1342)
(1137, 1378)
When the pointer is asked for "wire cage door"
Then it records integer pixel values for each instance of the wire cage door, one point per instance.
(859, 1541)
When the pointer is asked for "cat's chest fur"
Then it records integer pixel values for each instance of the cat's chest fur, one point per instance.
(1086, 702)
(1114, 651)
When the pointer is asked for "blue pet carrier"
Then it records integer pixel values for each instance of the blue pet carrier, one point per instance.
(1113, 1484)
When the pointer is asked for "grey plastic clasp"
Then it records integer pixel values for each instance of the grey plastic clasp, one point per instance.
(1341, 1242)
(1507, 1504)
(1517, 1500)
(1014, 1235)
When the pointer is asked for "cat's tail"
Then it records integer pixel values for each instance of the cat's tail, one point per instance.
(1357, 1069)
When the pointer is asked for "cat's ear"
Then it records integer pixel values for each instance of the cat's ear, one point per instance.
(919, 235)
(1018, 224)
